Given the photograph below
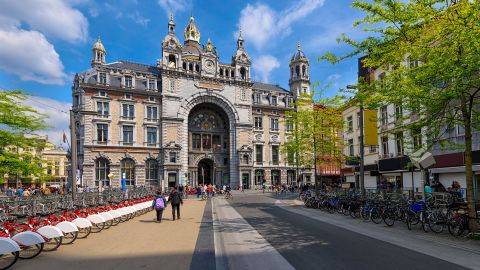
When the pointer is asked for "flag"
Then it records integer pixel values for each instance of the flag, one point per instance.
(64, 139)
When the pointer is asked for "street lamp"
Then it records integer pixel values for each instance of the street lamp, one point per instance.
(74, 150)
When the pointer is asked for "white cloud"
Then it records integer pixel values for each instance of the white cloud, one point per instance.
(51, 17)
(59, 119)
(260, 23)
(139, 19)
(264, 65)
(29, 55)
(173, 6)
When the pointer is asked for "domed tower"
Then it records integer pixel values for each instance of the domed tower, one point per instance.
(241, 60)
(299, 74)
(99, 53)
(191, 31)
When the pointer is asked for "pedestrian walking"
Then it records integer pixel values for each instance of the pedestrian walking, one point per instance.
(175, 200)
(159, 204)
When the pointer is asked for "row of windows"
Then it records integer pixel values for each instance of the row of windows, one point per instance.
(258, 124)
(209, 142)
(127, 111)
(127, 134)
(102, 79)
(257, 99)
(127, 167)
(274, 152)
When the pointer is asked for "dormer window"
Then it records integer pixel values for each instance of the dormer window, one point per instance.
(128, 96)
(102, 78)
(151, 84)
(128, 81)
(274, 100)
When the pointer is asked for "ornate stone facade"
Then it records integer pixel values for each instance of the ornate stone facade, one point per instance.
(189, 119)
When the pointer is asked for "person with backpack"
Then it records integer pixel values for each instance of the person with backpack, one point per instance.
(175, 199)
(159, 203)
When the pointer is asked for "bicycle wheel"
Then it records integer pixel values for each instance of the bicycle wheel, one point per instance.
(455, 226)
(388, 218)
(69, 238)
(436, 223)
(375, 215)
(116, 221)
(52, 244)
(365, 213)
(28, 252)
(98, 227)
(108, 224)
(84, 232)
(8, 259)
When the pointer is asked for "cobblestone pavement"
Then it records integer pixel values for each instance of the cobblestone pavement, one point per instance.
(140, 243)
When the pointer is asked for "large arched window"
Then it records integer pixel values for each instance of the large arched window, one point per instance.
(151, 172)
(102, 169)
(304, 71)
(127, 166)
(297, 71)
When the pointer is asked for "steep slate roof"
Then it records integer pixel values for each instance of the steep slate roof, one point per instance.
(269, 87)
(133, 66)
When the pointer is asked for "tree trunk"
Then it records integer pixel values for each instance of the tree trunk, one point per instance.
(466, 113)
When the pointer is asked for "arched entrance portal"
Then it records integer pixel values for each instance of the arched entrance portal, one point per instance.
(205, 172)
(208, 144)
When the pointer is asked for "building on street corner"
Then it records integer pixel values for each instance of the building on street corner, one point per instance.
(190, 119)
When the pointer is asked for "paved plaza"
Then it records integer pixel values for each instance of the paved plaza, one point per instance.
(259, 231)
(140, 243)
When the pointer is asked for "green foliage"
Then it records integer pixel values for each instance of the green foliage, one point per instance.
(444, 87)
(317, 123)
(18, 138)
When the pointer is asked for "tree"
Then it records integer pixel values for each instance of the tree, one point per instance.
(315, 138)
(430, 54)
(18, 138)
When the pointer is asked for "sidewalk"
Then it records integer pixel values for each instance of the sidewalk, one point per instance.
(140, 243)
(460, 251)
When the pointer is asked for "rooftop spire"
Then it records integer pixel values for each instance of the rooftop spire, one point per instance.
(298, 46)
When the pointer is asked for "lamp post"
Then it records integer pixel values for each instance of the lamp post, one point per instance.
(74, 150)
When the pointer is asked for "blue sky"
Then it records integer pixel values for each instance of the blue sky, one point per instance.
(44, 45)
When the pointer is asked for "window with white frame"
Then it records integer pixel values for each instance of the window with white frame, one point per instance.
(128, 111)
(102, 93)
(151, 84)
(399, 142)
(351, 151)
(290, 125)
(259, 153)
(128, 81)
(243, 94)
(103, 108)
(417, 138)
(275, 155)
(273, 123)
(102, 133)
(173, 157)
(259, 122)
(102, 78)
(151, 99)
(256, 98)
(274, 101)
(384, 141)
(350, 124)
(383, 115)
(152, 113)
(151, 135)
(127, 135)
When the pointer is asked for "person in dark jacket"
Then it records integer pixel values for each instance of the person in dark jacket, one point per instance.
(158, 207)
(175, 200)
